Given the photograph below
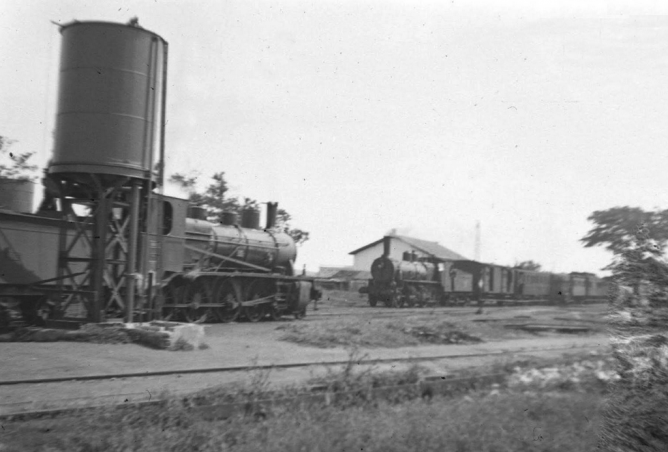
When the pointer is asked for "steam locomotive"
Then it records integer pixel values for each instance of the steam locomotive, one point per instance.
(424, 281)
(107, 242)
(213, 272)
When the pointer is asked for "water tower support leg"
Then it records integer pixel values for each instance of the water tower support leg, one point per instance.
(131, 267)
(96, 312)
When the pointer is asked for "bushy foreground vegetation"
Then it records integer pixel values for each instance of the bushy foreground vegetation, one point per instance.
(537, 412)
(478, 422)
(635, 416)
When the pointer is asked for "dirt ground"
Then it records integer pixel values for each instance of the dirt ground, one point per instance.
(246, 345)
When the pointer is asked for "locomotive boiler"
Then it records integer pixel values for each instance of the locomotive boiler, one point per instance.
(245, 246)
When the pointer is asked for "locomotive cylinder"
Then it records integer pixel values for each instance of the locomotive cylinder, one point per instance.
(109, 100)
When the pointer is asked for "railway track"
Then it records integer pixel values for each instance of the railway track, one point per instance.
(21, 410)
(428, 310)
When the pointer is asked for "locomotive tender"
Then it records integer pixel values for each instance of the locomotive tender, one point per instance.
(410, 282)
(107, 242)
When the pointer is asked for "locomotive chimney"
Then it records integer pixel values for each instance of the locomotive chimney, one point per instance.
(386, 245)
(272, 211)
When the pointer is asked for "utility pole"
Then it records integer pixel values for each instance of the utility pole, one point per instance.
(477, 241)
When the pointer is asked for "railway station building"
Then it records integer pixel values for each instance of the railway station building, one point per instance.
(399, 245)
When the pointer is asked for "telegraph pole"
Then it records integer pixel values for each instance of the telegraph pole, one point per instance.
(477, 241)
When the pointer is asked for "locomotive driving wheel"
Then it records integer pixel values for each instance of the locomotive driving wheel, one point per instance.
(225, 294)
(409, 296)
(257, 289)
(196, 294)
(171, 294)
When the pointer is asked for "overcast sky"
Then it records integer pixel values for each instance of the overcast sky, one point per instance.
(363, 116)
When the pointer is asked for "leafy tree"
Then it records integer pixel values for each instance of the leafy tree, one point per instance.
(637, 239)
(641, 263)
(216, 202)
(616, 228)
(283, 219)
(15, 166)
(528, 265)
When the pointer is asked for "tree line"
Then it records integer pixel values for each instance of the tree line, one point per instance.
(17, 166)
(214, 198)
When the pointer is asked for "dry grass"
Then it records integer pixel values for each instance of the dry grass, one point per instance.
(478, 422)
(522, 418)
(396, 332)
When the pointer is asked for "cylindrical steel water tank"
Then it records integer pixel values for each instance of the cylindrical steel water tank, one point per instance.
(16, 195)
(250, 218)
(109, 100)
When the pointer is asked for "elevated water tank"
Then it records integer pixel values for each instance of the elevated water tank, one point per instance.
(109, 100)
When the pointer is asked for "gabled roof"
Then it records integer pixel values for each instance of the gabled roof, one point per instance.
(432, 248)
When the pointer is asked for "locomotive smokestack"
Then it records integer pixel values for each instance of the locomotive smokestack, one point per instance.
(386, 245)
(272, 211)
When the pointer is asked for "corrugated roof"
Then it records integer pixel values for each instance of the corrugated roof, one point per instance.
(432, 248)
(328, 272)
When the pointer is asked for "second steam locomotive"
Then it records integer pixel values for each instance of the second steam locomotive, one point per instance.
(419, 282)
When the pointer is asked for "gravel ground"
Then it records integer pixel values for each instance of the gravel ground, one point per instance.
(240, 344)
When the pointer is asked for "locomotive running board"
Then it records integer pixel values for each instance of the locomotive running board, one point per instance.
(256, 275)
(220, 256)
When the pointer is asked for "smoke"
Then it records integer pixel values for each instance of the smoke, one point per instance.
(400, 231)
(176, 190)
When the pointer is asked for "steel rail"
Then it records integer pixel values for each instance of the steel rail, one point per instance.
(427, 388)
(277, 366)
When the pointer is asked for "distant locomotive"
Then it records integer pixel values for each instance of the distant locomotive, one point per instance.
(410, 282)
(397, 283)
(107, 242)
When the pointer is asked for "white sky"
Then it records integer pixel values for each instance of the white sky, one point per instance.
(363, 116)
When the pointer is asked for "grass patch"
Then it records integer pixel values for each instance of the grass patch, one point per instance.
(396, 332)
(527, 416)
(478, 422)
